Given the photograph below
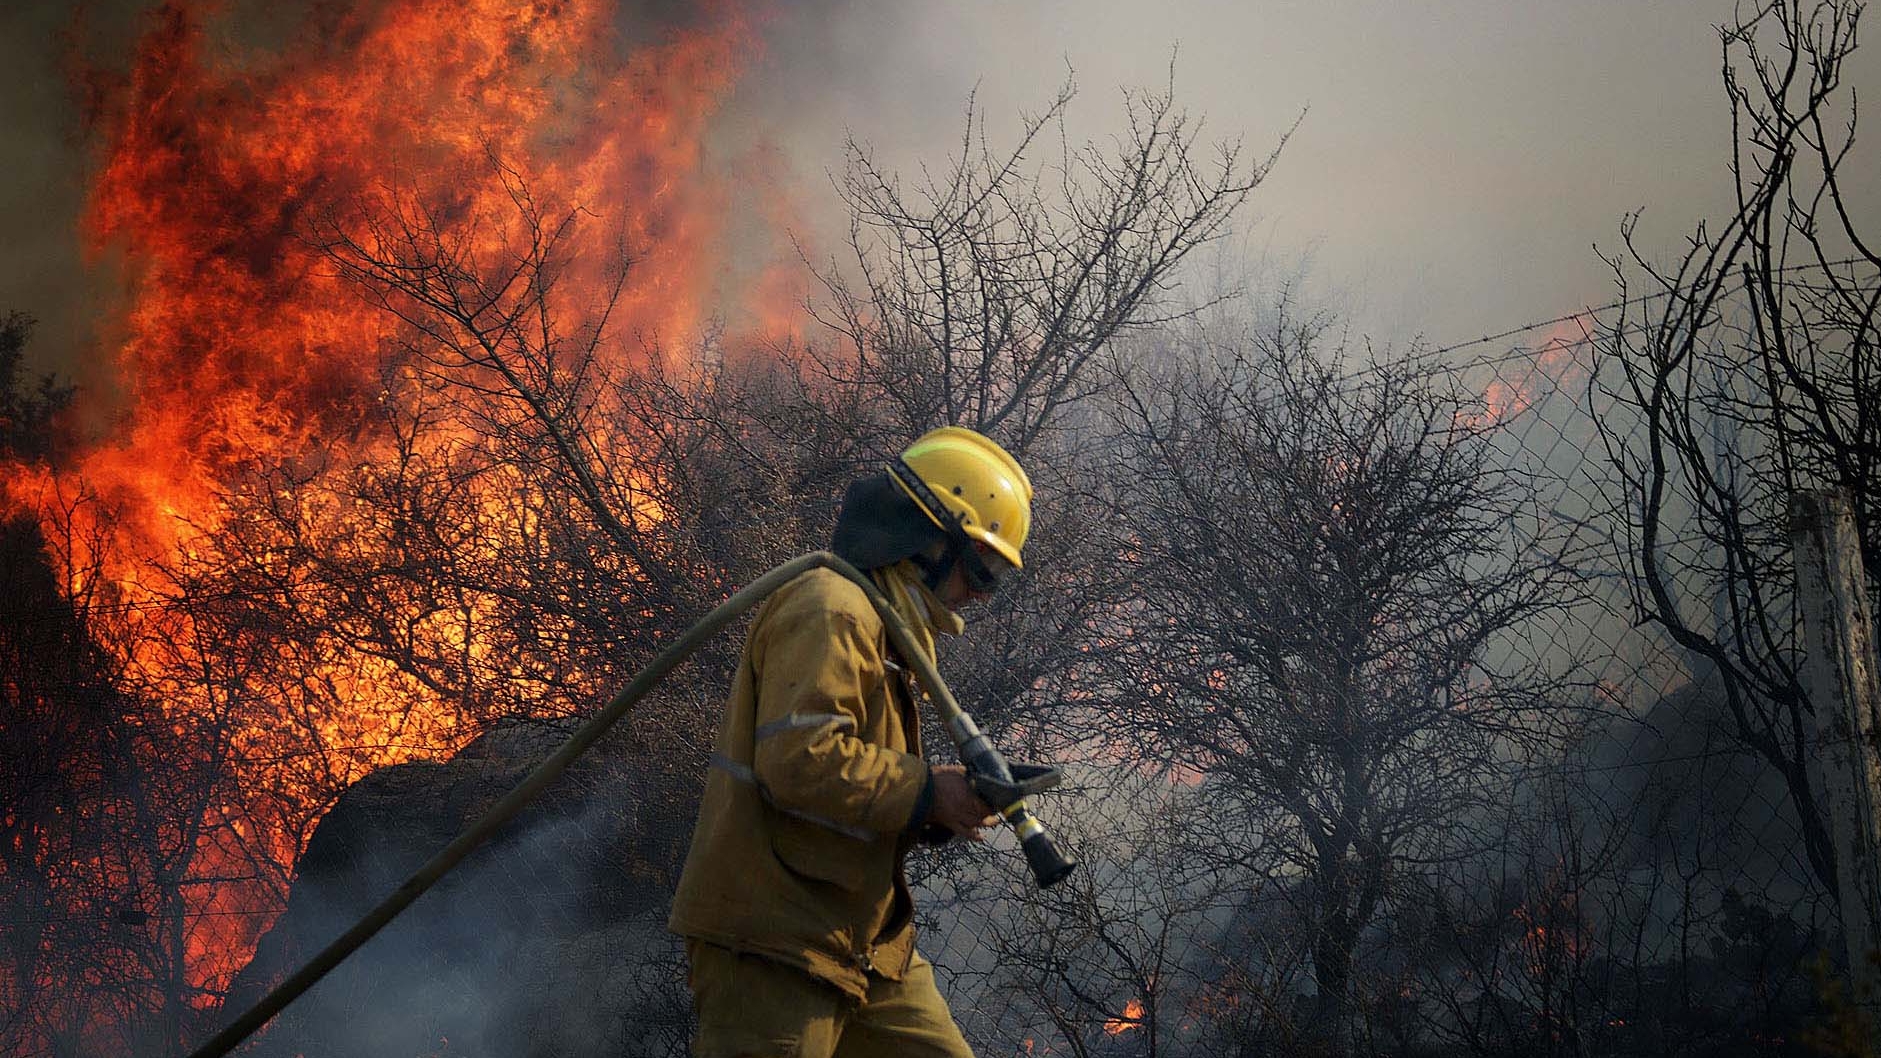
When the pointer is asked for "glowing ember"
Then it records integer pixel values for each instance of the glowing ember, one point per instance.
(1132, 1018)
(1554, 935)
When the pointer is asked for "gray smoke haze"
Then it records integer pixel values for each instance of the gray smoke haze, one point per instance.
(1457, 163)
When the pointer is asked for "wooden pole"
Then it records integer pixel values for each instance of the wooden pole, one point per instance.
(1840, 677)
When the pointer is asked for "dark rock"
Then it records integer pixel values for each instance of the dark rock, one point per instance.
(550, 939)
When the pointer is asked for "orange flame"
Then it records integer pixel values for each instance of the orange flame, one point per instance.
(1132, 1018)
(238, 338)
(241, 344)
(1522, 382)
(1554, 935)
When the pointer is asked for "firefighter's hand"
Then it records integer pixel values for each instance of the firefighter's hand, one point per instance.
(956, 806)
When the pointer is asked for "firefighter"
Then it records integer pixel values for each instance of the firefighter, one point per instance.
(793, 903)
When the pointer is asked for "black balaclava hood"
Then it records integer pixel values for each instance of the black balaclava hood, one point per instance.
(879, 525)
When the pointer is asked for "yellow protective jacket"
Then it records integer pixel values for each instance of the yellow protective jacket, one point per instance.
(816, 777)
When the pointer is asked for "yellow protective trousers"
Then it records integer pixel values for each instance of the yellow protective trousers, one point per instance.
(752, 1007)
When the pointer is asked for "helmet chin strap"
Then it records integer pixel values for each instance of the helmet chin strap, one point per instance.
(935, 571)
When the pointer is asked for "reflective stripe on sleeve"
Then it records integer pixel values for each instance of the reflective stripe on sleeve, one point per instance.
(801, 720)
(743, 773)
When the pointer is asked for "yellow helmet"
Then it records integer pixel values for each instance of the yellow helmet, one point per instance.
(977, 484)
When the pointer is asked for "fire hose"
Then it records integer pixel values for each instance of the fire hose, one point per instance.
(1002, 785)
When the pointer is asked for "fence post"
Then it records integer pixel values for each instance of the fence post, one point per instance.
(1839, 675)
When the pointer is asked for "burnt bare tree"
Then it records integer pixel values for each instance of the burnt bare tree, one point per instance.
(1147, 949)
(1596, 923)
(642, 483)
(1503, 949)
(1323, 563)
(984, 295)
(104, 792)
(987, 293)
(55, 712)
(1746, 370)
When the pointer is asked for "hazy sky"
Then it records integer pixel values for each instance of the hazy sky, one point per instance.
(1456, 164)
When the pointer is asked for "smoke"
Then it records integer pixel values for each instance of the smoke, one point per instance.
(487, 962)
(1452, 172)
(43, 153)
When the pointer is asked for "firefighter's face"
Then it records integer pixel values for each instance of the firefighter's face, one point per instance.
(958, 590)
